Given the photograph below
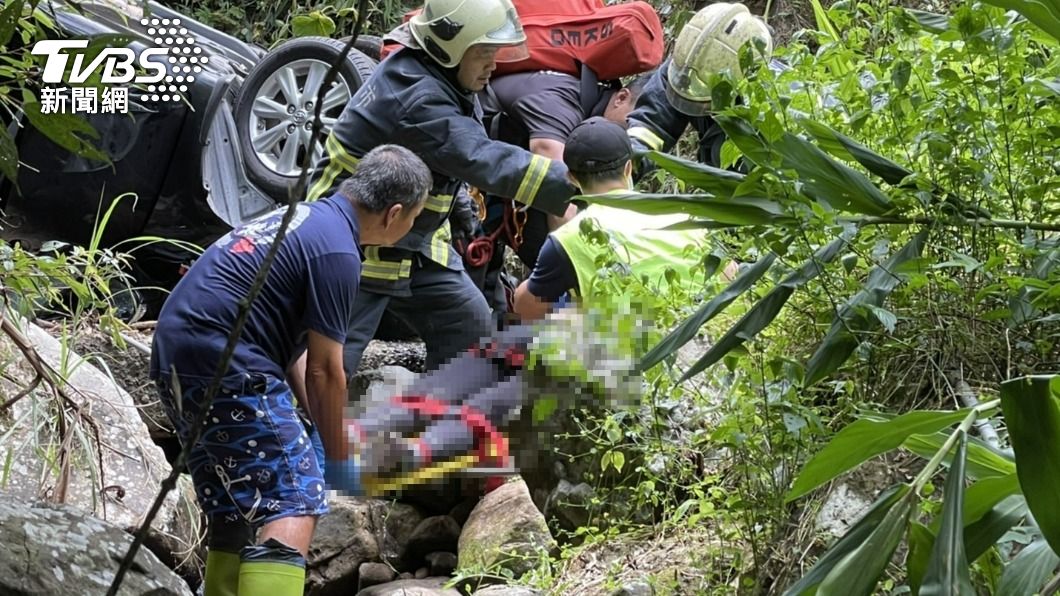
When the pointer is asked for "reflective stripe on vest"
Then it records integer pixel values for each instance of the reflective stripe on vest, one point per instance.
(642, 244)
(646, 136)
(338, 160)
(438, 203)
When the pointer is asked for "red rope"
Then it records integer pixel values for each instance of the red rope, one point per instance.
(480, 251)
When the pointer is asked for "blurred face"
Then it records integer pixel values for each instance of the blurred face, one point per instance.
(476, 66)
(620, 105)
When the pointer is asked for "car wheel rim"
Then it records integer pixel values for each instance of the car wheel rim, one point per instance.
(282, 114)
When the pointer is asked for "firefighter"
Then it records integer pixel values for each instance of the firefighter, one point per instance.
(678, 94)
(423, 97)
(599, 156)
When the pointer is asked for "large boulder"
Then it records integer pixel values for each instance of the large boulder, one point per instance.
(357, 531)
(505, 530)
(57, 550)
(429, 586)
(106, 464)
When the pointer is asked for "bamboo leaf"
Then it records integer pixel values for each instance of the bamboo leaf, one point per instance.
(1043, 13)
(947, 571)
(69, 131)
(765, 310)
(930, 21)
(858, 572)
(744, 211)
(983, 462)
(688, 329)
(864, 439)
(841, 340)
(1029, 570)
(845, 147)
(855, 537)
(983, 533)
(1031, 406)
(920, 539)
(718, 182)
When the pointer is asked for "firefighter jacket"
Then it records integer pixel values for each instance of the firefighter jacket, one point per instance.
(412, 102)
(656, 125)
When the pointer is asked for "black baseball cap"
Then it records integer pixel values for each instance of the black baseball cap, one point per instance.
(597, 145)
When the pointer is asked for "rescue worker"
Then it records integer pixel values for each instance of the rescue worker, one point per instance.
(538, 110)
(678, 94)
(423, 97)
(599, 156)
(274, 433)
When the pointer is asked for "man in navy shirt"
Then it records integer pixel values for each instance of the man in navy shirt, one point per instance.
(274, 431)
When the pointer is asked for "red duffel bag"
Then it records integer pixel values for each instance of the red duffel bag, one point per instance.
(614, 41)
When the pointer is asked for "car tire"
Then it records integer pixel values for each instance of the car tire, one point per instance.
(275, 108)
(369, 45)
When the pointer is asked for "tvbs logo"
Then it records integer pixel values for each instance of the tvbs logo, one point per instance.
(161, 73)
(117, 65)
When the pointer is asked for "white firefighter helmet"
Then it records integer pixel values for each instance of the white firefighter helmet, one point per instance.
(710, 44)
(445, 29)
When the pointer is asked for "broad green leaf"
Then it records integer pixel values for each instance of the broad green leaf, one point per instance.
(744, 211)
(8, 156)
(841, 340)
(315, 23)
(1029, 570)
(983, 533)
(981, 497)
(930, 21)
(920, 539)
(858, 573)
(69, 131)
(947, 571)
(9, 20)
(844, 147)
(718, 182)
(1031, 406)
(824, 24)
(855, 537)
(688, 329)
(864, 439)
(765, 310)
(983, 462)
(1043, 13)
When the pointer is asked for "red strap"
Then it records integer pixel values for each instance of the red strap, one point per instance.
(423, 404)
(485, 435)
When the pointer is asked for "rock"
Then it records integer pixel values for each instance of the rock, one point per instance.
(373, 574)
(843, 506)
(132, 465)
(569, 504)
(375, 385)
(505, 529)
(441, 563)
(406, 575)
(422, 573)
(507, 591)
(462, 510)
(437, 533)
(431, 586)
(355, 531)
(406, 354)
(58, 549)
(635, 589)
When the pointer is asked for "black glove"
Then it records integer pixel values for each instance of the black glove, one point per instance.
(463, 219)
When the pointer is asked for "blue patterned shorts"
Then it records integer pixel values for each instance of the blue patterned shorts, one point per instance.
(258, 459)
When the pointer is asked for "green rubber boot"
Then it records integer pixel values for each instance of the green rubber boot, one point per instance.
(222, 573)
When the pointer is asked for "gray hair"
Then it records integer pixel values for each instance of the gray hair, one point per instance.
(386, 176)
